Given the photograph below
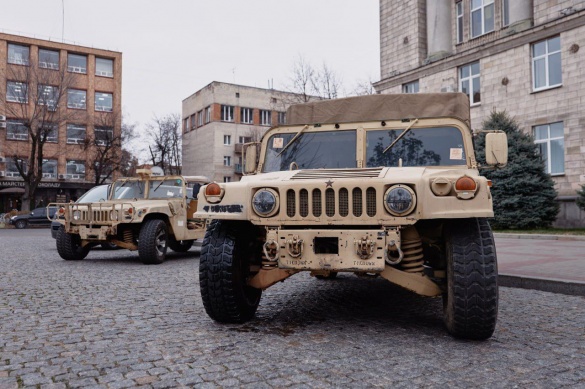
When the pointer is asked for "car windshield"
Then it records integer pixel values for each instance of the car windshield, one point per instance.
(128, 189)
(95, 194)
(311, 150)
(437, 146)
(165, 189)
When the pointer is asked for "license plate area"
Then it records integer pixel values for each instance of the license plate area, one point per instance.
(326, 245)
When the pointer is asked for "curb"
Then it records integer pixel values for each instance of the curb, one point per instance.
(539, 236)
(542, 284)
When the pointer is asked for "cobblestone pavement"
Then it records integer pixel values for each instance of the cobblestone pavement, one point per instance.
(109, 321)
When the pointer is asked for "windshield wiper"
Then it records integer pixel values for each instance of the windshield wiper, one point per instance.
(400, 136)
(122, 185)
(154, 190)
(292, 140)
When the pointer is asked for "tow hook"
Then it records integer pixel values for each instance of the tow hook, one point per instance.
(270, 250)
(294, 246)
(393, 253)
(365, 247)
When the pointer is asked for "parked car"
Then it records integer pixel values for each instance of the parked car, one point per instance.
(94, 195)
(37, 217)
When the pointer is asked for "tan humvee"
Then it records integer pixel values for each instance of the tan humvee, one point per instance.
(380, 185)
(147, 213)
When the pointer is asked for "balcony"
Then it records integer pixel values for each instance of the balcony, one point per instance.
(239, 148)
(238, 168)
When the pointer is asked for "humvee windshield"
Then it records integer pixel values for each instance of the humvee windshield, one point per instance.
(311, 150)
(128, 189)
(164, 189)
(437, 146)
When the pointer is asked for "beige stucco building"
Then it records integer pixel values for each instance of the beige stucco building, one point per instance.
(524, 57)
(219, 118)
(75, 90)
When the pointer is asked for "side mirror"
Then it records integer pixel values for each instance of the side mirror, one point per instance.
(496, 149)
(250, 158)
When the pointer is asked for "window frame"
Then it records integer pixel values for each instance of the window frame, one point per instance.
(74, 105)
(459, 22)
(52, 102)
(12, 169)
(470, 79)
(75, 140)
(227, 179)
(227, 138)
(20, 61)
(108, 138)
(481, 9)
(227, 113)
(246, 115)
(54, 164)
(21, 133)
(76, 69)
(101, 72)
(227, 160)
(49, 65)
(546, 57)
(76, 175)
(265, 117)
(547, 142)
(98, 108)
(54, 127)
(505, 13)
(415, 85)
(18, 97)
(207, 114)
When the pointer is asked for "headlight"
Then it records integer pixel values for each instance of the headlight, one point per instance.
(400, 200)
(265, 202)
(114, 215)
(76, 215)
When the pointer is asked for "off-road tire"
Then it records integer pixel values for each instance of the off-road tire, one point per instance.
(69, 246)
(223, 269)
(471, 301)
(20, 224)
(153, 241)
(332, 275)
(180, 246)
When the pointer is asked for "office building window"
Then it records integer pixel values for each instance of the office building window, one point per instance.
(200, 118)
(227, 179)
(469, 82)
(103, 102)
(17, 92)
(411, 87)
(505, 13)
(550, 139)
(244, 139)
(48, 95)
(265, 117)
(207, 115)
(75, 169)
(75, 134)
(246, 115)
(104, 67)
(482, 17)
(76, 98)
(227, 113)
(49, 168)
(282, 118)
(18, 54)
(546, 63)
(104, 135)
(48, 59)
(459, 9)
(50, 131)
(186, 124)
(16, 130)
(77, 63)
(227, 160)
(12, 167)
(227, 140)
(193, 121)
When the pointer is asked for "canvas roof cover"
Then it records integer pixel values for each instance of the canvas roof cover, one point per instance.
(381, 107)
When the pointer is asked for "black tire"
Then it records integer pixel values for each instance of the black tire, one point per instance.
(224, 266)
(180, 246)
(152, 242)
(69, 246)
(471, 302)
(330, 276)
(20, 224)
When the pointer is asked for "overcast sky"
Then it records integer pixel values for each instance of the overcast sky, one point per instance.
(172, 48)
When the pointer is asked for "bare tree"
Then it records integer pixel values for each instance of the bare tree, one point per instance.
(128, 164)
(36, 105)
(326, 83)
(364, 87)
(308, 83)
(105, 146)
(165, 138)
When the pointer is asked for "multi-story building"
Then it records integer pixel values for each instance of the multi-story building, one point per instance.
(219, 118)
(75, 92)
(520, 56)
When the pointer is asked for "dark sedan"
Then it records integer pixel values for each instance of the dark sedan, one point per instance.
(37, 217)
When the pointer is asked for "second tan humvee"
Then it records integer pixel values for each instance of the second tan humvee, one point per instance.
(381, 185)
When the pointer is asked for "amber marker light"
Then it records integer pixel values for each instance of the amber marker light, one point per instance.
(489, 183)
(466, 184)
(212, 189)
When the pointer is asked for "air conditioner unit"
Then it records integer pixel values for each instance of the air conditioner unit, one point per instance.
(2, 159)
(2, 174)
(2, 124)
(47, 175)
(61, 176)
(75, 176)
(2, 118)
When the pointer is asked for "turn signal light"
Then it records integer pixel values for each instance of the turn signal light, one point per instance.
(212, 189)
(466, 183)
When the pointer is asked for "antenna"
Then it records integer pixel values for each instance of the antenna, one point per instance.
(63, 21)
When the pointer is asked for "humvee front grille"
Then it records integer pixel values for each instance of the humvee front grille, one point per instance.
(336, 203)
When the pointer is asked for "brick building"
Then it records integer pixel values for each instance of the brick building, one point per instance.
(219, 118)
(520, 56)
(75, 92)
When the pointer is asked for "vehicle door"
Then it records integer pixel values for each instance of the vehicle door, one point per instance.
(38, 217)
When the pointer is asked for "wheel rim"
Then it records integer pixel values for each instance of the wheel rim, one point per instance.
(161, 241)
